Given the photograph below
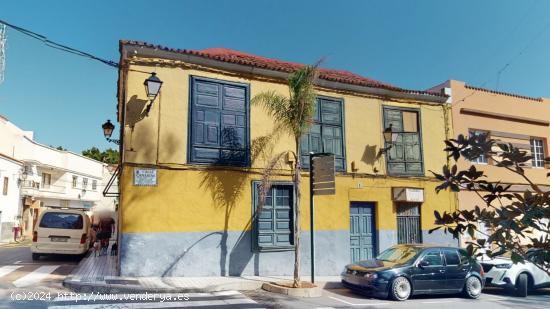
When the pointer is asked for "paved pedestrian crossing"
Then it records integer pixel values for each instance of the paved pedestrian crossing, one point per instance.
(225, 299)
(27, 275)
(30, 275)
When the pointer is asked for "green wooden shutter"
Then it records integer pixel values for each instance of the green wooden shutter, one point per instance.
(274, 223)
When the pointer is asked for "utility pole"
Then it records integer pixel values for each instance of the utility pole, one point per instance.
(321, 182)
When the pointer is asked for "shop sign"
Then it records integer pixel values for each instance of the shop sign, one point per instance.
(411, 195)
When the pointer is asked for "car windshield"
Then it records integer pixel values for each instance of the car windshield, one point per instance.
(399, 254)
(59, 220)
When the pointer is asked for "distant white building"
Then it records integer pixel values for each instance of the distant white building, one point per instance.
(50, 177)
(10, 198)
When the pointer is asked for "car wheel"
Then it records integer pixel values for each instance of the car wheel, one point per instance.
(472, 287)
(35, 256)
(400, 289)
(522, 283)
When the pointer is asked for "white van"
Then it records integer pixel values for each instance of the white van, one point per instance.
(61, 231)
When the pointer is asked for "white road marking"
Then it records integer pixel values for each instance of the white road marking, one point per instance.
(495, 297)
(138, 296)
(183, 304)
(438, 302)
(4, 270)
(17, 262)
(226, 293)
(35, 276)
(230, 299)
(352, 304)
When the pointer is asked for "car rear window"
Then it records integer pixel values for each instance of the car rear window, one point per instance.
(61, 220)
(451, 257)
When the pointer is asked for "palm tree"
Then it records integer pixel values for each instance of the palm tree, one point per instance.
(292, 115)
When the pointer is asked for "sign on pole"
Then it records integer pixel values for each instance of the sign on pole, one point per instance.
(322, 173)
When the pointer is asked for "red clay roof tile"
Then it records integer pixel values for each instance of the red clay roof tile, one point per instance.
(238, 57)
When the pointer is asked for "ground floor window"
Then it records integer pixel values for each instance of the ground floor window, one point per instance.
(408, 223)
(274, 221)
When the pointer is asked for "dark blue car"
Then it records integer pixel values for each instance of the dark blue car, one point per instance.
(405, 270)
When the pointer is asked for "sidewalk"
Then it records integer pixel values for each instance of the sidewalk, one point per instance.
(97, 274)
(12, 244)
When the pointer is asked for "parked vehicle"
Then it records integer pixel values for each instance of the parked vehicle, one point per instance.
(61, 231)
(516, 278)
(405, 270)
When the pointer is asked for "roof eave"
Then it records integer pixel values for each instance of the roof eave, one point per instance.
(128, 48)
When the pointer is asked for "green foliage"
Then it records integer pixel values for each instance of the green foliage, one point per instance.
(109, 156)
(292, 114)
(513, 218)
(59, 148)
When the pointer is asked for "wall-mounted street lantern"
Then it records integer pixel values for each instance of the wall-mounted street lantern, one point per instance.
(390, 137)
(152, 86)
(108, 128)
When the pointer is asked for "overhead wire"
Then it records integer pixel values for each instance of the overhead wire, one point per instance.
(513, 58)
(59, 46)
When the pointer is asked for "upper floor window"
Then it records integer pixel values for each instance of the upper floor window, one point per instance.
(94, 184)
(84, 183)
(46, 180)
(405, 155)
(537, 152)
(482, 159)
(274, 223)
(75, 181)
(219, 122)
(5, 188)
(326, 133)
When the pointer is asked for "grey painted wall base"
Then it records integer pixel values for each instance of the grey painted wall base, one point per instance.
(439, 237)
(386, 239)
(223, 254)
(6, 231)
(231, 254)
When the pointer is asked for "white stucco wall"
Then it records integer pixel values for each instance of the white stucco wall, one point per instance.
(11, 202)
(62, 165)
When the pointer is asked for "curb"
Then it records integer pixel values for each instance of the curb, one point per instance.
(102, 286)
(295, 292)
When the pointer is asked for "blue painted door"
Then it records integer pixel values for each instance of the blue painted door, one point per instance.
(362, 231)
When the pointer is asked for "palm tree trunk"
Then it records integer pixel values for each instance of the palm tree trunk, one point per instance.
(297, 194)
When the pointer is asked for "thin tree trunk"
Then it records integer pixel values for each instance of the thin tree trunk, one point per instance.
(297, 193)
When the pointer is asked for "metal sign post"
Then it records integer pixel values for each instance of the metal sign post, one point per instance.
(321, 182)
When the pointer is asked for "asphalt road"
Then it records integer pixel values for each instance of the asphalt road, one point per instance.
(28, 284)
(21, 279)
(344, 298)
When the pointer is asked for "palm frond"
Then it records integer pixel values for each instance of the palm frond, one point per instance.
(267, 175)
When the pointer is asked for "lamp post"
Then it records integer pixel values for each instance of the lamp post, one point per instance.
(390, 138)
(152, 86)
(108, 128)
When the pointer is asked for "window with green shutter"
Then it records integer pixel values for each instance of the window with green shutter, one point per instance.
(273, 224)
(326, 133)
(219, 122)
(405, 155)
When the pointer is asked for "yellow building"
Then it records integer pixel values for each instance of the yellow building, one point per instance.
(192, 161)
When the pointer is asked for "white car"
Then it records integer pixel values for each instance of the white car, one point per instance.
(517, 278)
(61, 231)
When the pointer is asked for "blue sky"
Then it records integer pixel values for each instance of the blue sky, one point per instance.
(412, 44)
